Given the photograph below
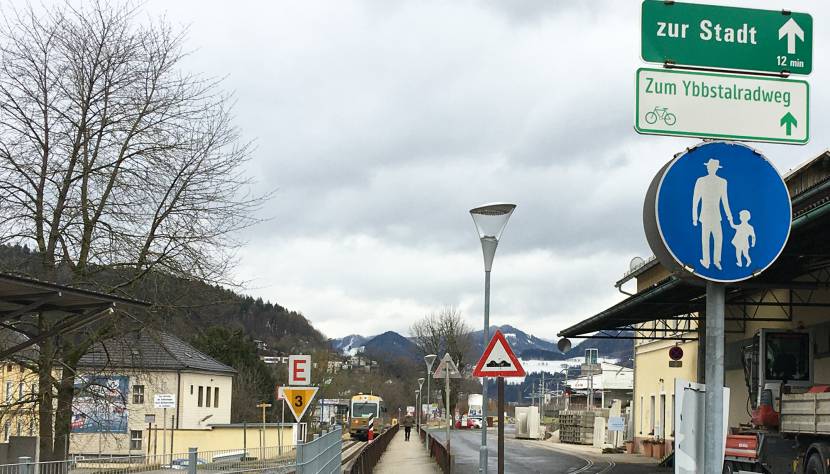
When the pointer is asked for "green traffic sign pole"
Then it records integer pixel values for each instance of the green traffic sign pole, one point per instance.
(720, 37)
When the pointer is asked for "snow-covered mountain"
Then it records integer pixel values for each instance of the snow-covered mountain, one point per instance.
(349, 345)
(519, 340)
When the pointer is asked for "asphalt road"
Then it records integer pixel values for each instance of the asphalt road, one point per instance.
(530, 457)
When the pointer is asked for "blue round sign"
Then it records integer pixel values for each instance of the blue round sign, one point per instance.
(719, 211)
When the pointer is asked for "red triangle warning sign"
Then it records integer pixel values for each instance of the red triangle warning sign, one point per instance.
(498, 360)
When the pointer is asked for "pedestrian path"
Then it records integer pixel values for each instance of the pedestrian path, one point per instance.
(410, 457)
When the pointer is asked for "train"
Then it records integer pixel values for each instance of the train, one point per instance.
(366, 410)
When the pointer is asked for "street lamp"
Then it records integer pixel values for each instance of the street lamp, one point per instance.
(429, 359)
(420, 411)
(417, 401)
(490, 221)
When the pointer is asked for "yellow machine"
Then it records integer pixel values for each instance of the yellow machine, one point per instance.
(366, 410)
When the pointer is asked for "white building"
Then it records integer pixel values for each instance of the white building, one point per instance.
(615, 381)
(121, 378)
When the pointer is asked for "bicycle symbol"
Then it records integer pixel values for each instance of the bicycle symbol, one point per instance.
(663, 114)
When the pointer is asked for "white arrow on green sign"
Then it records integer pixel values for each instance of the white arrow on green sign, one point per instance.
(709, 105)
(727, 37)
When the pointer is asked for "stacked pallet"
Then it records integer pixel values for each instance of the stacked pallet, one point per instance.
(577, 426)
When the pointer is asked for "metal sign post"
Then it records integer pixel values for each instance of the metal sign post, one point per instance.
(501, 425)
(447, 370)
(498, 360)
(713, 415)
(733, 234)
(165, 401)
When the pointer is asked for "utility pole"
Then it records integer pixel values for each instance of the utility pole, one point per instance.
(262, 429)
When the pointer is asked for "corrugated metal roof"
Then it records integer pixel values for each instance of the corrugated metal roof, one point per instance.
(149, 349)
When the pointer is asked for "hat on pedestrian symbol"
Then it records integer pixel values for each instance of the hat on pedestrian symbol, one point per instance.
(714, 162)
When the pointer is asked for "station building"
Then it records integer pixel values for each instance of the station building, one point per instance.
(792, 297)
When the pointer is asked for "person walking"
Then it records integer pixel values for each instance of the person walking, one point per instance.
(408, 423)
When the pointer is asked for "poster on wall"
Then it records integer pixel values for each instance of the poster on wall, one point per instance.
(100, 405)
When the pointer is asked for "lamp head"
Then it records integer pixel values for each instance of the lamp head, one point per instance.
(421, 382)
(490, 221)
(430, 359)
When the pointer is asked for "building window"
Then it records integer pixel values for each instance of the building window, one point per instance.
(9, 391)
(20, 389)
(651, 415)
(191, 389)
(207, 397)
(6, 427)
(138, 394)
(642, 409)
(201, 393)
(216, 397)
(135, 439)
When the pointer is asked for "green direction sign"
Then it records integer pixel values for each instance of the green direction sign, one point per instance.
(727, 37)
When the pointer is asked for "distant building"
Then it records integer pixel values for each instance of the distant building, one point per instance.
(121, 378)
(615, 382)
(274, 360)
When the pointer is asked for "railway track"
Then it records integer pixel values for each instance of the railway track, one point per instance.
(351, 448)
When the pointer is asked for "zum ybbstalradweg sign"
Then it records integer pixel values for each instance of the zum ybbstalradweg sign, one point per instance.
(727, 37)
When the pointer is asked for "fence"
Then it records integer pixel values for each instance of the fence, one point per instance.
(274, 460)
(438, 450)
(322, 454)
(366, 461)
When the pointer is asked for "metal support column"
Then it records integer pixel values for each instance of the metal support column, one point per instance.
(501, 424)
(482, 454)
(713, 414)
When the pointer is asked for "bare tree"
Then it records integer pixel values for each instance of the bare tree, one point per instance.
(114, 163)
(445, 331)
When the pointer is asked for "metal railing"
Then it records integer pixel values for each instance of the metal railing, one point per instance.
(437, 450)
(321, 455)
(366, 461)
(274, 460)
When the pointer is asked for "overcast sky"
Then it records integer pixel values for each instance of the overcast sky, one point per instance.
(381, 123)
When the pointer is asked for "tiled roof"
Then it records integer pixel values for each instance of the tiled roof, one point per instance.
(149, 349)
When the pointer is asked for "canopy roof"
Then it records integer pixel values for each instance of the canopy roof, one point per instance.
(75, 307)
(804, 264)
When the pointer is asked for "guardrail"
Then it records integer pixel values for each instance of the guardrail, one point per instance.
(322, 454)
(366, 461)
(437, 450)
(271, 459)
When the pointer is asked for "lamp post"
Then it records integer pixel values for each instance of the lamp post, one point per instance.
(429, 359)
(417, 400)
(420, 400)
(490, 221)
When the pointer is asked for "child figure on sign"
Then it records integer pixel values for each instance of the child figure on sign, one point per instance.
(744, 238)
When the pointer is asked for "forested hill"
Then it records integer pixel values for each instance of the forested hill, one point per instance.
(188, 307)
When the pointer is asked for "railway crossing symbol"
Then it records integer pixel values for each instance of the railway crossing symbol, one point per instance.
(498, 360)
(299, 399)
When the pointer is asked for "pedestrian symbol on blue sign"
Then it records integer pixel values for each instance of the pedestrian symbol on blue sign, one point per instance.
(740, 212)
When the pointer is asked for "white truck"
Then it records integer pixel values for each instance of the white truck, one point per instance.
(474, 402)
